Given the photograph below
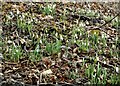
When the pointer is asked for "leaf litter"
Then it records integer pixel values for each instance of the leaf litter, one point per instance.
(57, 45)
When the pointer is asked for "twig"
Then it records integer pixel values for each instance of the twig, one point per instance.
(110, 20)
(102, 63)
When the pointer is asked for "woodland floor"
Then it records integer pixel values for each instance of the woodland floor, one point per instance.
(56, 43)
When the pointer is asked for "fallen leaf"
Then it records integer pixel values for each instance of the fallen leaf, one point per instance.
(8, 71)
(47, 72)
(22, 40)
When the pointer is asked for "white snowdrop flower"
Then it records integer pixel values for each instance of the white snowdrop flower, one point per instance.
(61, 37)
(117, 69)
(16, 50)
(76, 36)
(104, 62)
(41, 41)
(56, 34)
(37, 50)
(18, 12)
